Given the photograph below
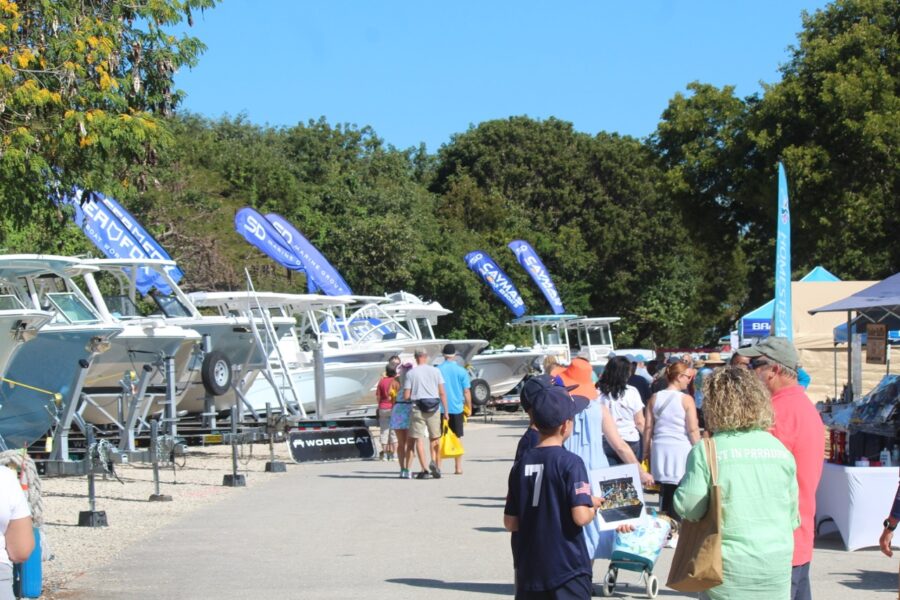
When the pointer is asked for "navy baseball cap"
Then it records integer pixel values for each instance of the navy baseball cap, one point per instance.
(552, 406)
(534, 385)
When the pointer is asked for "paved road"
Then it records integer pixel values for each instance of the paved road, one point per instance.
(354, 530)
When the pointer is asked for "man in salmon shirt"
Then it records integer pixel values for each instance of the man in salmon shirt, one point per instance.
(799, 427)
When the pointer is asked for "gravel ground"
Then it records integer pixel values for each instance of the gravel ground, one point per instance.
(194, 483)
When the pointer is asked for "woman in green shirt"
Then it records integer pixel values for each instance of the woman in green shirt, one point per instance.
(758, 483)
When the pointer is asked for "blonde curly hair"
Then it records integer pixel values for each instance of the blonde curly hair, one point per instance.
(735, 400)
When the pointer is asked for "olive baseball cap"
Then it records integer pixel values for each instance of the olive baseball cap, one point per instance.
(777, 349)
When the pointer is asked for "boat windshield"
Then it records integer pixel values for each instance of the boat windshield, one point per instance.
(372, 329)
(600, 335)
(552, 337)
(593, 335)
(8, 302)
(425, 330)
(71, 307)
(121, 307)
(170, 305)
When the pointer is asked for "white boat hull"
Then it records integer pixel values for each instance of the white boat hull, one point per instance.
(504, 370)
(347, 386)
(130, 351)
(232, 337)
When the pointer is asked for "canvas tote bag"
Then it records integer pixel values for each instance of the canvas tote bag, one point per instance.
(697, 564)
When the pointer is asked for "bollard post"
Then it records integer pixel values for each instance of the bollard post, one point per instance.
(273, 466)
(92, 517)
(319, 374)
(235, 479)
(154, 458)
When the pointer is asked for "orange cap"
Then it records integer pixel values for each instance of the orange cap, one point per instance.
(579, 373)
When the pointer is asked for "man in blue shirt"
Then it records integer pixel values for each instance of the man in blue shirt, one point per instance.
(548, 502)
(457, 387)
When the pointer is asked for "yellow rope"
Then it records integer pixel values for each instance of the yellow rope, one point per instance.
(57, 397)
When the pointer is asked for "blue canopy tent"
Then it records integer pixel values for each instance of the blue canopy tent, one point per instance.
(758, 322)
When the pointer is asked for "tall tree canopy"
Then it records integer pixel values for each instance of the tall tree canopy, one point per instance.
(590, 207)
(82, 86)
(835, 120)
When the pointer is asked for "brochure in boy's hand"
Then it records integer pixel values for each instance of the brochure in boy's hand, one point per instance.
(623, 496)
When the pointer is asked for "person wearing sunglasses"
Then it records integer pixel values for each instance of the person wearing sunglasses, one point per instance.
(737, 360)
(798, 426)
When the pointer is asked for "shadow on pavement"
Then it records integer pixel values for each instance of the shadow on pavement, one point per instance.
(362, 475)
(494, 498)
(84, 496)
(490, 529)
(876, 581)
(501, 589)
(473, 504)
(829, 541)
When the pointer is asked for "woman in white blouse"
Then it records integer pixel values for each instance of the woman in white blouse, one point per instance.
(16, 530)
(625, 406)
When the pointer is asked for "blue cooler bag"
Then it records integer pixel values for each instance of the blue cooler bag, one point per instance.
(639, 549)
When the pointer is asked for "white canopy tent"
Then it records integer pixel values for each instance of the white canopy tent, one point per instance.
(877, 303)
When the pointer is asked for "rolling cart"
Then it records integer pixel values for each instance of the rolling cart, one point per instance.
(637, 551)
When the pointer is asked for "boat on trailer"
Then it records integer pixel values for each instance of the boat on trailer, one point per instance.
(230, 352)
(350, 378)
(45, 377)
(504, 369)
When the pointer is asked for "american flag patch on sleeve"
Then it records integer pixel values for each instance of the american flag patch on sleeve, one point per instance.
(583, 488)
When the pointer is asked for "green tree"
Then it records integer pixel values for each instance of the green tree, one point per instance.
(833, 120)
(82, 86)
(703, 149)
(588, 204)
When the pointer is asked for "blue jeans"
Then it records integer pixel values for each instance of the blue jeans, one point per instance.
(613, 457)
(800, 589)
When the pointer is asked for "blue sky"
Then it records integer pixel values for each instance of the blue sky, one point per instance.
(422, 71)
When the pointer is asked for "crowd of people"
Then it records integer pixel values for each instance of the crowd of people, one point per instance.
(769, 446)
(418, 401)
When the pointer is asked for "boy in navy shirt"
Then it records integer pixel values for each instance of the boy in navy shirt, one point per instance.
(530, 388)
(548, 502)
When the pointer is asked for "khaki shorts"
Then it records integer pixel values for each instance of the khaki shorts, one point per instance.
(422, 424)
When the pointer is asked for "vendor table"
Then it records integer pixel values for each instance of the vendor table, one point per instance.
(857, 499)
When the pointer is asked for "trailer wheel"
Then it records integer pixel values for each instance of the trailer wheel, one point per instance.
(481, 392)
(215, 372)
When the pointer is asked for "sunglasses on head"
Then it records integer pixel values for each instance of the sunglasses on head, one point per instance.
(756, 363)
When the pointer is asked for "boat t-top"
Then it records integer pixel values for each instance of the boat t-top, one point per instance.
(566, 336)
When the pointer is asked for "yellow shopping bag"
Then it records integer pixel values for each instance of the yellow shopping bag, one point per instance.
(450, 445)
(645, 466)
